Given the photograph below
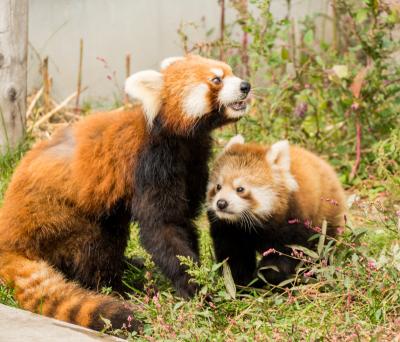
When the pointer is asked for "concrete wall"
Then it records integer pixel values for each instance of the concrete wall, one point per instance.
(147, 29)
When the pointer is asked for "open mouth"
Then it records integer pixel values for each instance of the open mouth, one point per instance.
(238, 105)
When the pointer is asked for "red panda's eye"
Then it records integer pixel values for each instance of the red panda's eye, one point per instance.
(239, 189)
(216, 80)
(219, 187)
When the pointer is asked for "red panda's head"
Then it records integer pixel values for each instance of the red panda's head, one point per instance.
(250, 182)
(189, 90)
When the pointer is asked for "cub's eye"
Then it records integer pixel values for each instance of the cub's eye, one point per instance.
(219, 187)
(217, 80)
(239, 189)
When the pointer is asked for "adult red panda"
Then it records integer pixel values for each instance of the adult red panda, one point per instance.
(65, 220)
(262, 198)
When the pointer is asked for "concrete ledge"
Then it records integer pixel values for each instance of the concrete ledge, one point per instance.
(20, 326)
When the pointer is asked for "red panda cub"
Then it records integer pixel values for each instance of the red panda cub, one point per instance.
(65, 221)
(265, 198)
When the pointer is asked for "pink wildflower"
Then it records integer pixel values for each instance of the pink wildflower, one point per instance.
(101, 59)
(317, 229)
(293, 221)
(309, 274)
(340, 230)
(371, 265)
(269, 251)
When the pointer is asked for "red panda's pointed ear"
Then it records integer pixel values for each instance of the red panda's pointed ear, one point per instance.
(278, 156)
(168, 61)
(237, 139)
(145, 86)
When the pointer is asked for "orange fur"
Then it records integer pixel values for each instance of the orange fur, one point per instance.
(317, 182)
(68, 193)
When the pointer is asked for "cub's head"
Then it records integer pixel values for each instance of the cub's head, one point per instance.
(190, 92)
(250, 182)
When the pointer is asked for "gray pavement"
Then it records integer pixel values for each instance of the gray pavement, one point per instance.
(23, 326)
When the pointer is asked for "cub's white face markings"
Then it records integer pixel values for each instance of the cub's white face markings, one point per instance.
(265, 198)
(145, 86)
(196, 102)
(217, 72)
(278, 157)
(236, 204)
(168, 61)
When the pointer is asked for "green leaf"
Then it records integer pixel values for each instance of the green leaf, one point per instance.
(309, 37)
(269, 267)
(284, 53)
(305, 250)
(362, 14)
(286, 282)
(341, 71)
(228, 280)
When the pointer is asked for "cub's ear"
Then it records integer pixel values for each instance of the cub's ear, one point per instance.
(279, 155)
(145, 86)
(237, 139)
(168, 61)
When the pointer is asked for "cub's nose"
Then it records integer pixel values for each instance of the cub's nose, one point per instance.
(222, 204)
(245, 87)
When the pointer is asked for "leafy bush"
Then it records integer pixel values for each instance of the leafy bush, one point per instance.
(317, 92)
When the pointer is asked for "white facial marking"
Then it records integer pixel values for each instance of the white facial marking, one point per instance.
(217, 72)
(237, 139)
(196, 102)
(291, 183)
(231, 94)
(265, 198)
(230, 91)
(236, 204)
(168, 61)
(145, 86)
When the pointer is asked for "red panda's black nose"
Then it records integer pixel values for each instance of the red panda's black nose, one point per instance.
(222, 204)
(245, 87)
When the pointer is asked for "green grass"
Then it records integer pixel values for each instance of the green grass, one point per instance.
(356, 297)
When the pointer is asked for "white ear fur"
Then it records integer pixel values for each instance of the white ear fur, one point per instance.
(146, 86)
(168, 61)
(237, 139)
(278, 156)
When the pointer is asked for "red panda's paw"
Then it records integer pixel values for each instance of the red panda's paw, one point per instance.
(187, 290)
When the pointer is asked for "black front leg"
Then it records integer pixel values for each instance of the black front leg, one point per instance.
(165, 241)
(161, 208)
(233, 243)
(285, 265)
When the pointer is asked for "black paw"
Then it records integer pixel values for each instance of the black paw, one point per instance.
(187, 290)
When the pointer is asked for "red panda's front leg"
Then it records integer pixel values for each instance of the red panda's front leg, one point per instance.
(165, 233)
(162, 209)
(165, 241)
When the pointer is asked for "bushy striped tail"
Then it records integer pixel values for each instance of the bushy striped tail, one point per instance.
(40, 288)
